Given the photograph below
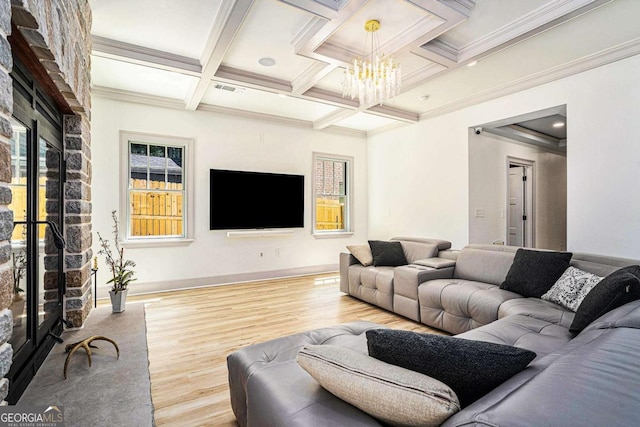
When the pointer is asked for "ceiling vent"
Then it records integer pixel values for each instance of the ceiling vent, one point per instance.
(228, 88)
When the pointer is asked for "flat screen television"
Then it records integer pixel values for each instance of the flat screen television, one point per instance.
(241, 200)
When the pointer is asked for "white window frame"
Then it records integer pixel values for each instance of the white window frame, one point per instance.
(348, 194)
(187, 196)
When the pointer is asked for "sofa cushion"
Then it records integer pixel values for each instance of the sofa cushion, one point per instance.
(571, 288)
(526, 332)
(388, 254)
(456, 305)
(618, 288)
(534, 272)
(362, 253)
(538, 309)
(484, 263)
(592, 380)
(470, 368)
(414, 251)
(390, 393)
(270, 368)
(372, 284)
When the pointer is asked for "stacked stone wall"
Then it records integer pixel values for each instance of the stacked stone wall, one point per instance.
(57, 33)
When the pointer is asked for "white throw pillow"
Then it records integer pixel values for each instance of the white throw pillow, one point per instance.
(571, 288)
(387, 392)
(362, 253)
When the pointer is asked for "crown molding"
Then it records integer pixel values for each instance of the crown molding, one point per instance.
(233, 112)
(604, 57)
(385, 128)
(137, 98)
(127, 52)
(529, 25)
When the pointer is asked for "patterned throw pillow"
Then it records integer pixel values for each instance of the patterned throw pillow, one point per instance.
(571, 288)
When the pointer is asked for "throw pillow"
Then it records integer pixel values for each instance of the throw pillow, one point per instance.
(470, 368)
(388, 254)
(618, 288)
(390, 393)
(534, 272)
(362, 253)
(571, 288)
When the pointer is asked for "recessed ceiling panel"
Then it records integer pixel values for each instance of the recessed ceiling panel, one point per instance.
(137, 78)
(258, 101)
(488, 16)
(365, 122)
(333, 81)
(179, 27)
(397, 19)
(267, 33)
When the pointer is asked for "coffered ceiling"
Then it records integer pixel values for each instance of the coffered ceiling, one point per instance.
(283, 60)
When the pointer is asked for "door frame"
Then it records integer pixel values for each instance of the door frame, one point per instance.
(530, 200)
(39, 114)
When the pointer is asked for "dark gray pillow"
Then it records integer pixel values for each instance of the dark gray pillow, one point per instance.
(470, 368)
(533, 273)
(615, 290)
(388, 254)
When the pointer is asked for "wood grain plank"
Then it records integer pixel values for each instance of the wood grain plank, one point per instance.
(191, 332)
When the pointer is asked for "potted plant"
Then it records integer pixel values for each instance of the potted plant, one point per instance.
(19, 259)
(121, 269)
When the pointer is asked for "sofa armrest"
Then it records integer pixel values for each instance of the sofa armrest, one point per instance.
(449, 254)
(346, 259)
(436, 262)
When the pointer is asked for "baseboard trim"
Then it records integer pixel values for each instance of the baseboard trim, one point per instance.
(231, 279)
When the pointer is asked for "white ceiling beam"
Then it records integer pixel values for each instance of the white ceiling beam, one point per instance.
(250, 79)
(332, 118)
(134, 54)
(394, 113)
(224, 29)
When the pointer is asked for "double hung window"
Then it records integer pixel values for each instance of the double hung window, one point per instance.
(157, 187)
(332, 194)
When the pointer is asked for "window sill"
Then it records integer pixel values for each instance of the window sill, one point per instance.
(156, 243)
(333, 235)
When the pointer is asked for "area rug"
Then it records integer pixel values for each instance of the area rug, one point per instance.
(115, 392)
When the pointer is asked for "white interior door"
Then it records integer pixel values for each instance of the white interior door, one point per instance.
(516, 234)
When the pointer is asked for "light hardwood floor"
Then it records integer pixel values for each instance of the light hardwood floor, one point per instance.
(191, 332)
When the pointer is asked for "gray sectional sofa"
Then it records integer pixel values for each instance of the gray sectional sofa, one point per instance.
(588, 379)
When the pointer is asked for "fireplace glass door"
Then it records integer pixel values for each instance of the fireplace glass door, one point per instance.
(37, 244)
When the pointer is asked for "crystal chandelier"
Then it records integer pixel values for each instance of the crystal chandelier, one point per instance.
(372, 79)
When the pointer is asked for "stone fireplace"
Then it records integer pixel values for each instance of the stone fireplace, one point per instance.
(52, 39)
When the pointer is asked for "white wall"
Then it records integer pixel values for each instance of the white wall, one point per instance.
(419, 179)
(222, 141)
(488, 190)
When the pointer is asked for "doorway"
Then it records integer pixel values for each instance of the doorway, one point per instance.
(520, 203)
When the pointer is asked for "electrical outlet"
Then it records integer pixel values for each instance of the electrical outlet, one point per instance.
(277, 251)
(261, 254)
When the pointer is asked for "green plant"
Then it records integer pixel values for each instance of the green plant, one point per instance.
(121, 269)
